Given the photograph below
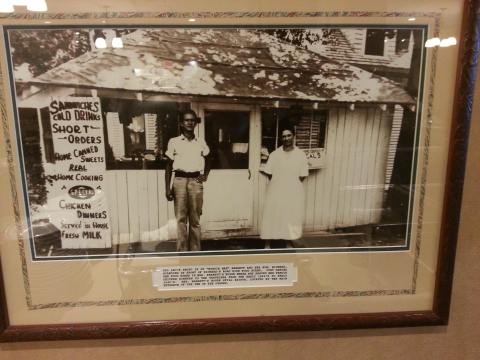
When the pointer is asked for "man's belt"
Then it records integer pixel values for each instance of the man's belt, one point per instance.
(184, 174)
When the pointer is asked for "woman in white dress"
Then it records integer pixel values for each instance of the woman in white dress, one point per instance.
(284, 209)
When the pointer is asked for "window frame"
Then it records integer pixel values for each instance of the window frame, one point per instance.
(367, 39)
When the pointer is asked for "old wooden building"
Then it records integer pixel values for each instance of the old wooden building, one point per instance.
(243, 84)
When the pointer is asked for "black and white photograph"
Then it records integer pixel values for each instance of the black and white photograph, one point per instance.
(161, 141)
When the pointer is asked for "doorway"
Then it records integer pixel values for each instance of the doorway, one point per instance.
(228, 194)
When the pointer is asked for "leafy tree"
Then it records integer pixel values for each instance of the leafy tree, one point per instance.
(303, 38)
(298, 37)
(43, 50)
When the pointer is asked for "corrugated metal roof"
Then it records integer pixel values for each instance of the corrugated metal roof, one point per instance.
(222, 62)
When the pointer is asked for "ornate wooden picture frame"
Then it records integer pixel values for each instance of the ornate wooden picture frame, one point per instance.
(193, 173)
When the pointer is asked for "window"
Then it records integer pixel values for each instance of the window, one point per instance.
(270, 132)
(137, 132)
(32, 154)
(310, 127)
(47, 135)
(402, 41)
(310, 130)
(227, 135)
(375, 42)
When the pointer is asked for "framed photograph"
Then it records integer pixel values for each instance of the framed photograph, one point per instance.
(194, 172)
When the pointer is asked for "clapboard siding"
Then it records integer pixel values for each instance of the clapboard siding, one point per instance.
(381, 165)
(143, 202)
(352, 182)
(111, 195)
(115, 134)
(348, 191)
(139, 211)
(133, 205)
(152, 204)
(123, 207)
(151, 131)
(346, 215)
(345, 117)
(393, 141)
(367, 162)
(353, 47)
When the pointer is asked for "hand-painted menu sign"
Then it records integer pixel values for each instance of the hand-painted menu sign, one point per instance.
(78, 175)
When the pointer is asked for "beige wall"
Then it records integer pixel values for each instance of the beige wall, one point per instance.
(459, 340)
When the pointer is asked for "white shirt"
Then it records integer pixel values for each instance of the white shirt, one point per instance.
(187, 155)
(287, 164)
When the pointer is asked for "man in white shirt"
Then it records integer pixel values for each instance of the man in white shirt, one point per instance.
(187, 159)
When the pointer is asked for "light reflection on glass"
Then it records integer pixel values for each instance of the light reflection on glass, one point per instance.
(451, 41)
(432, 42)
(117, 42)
(100, 43)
